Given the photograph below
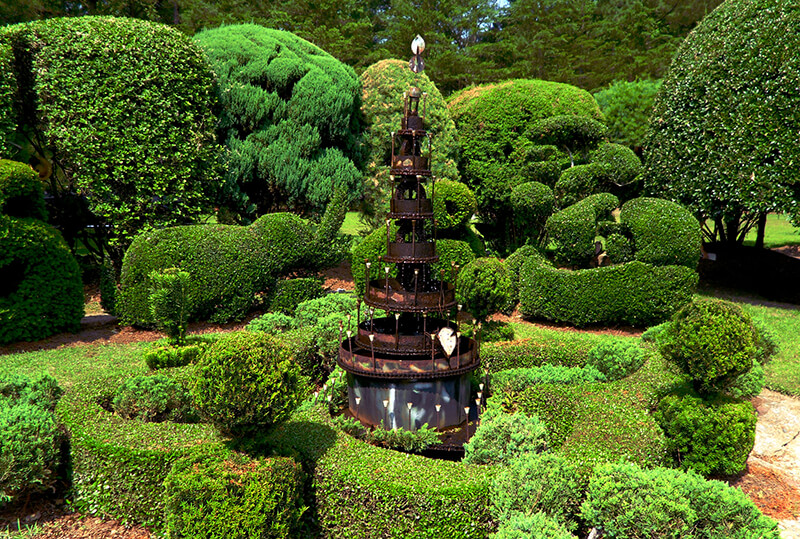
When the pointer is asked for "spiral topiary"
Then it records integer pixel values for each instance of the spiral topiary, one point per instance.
(453, 205)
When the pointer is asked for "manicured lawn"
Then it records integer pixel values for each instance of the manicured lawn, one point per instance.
(783, 372)
(779, 232)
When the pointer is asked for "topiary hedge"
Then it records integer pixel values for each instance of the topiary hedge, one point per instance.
(290, 119)
(634, 293)
(21, 193)
(627, 107)
(663, 232)
(484, 287)
(289, 293)
(532, 203)
(453, 205)
(228, 265)
(108, 99)
(578, 182)
(573, 229)
(621, 164)
(8, 87)
(547, 347)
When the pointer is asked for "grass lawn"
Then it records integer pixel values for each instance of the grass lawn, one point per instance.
(783, 372)
(779, 232)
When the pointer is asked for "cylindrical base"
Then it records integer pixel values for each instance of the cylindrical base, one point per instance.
(452, 393)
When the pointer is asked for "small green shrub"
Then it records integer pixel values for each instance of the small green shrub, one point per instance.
(325, 315)
(491, 331)
(621, 164)
(619, 249)
(711, 437)
(290, 293)
(573, 229)
(21, 192)
(547, 483)
(453, 205)
(532, 203)
(410, 441)
(713, 341)
(211, 494)
(627, 501)
(164, 357)
(518, 380)
(484, 287)
(151, 398)
(450, 251)
(500, 438)
(663, 232)
(748, 384)
(272, 323)
(651, 334)
(169, 298)
(556, 347)
(371, 248)
(578, 182)
(536, 526)
(247, 381)
(43, 391)
(616, 359)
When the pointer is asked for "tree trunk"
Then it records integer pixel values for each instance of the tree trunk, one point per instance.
(762, 225)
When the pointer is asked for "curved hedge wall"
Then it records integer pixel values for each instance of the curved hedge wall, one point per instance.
(110, 96)
(663, 232)
(227, 265)
(634, 293)
(290, 118)
(573, 229)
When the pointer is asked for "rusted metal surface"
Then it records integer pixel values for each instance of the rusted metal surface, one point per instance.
(390, 295)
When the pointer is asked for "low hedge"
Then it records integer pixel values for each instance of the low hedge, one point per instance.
(119, 466)
(362, 491)
(634, 293)
(573, 229)
(663, 232)
(548, 347)
(227, 265)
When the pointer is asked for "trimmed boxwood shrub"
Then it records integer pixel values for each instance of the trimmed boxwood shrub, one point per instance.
(569, 132)
(484, 287)
(618, 249)
(41, 292)
(370, 248)
(634, 293)
(229, 265)
(626, 108)
(453, 205)
(573, 229)
(663, 232)
(578, 182)
(710, 437)
(246, 381)
(223, 494)
(119, 466)
(109, 99)
(536, 526)
(290, 119)
(713, 341)
(532, 203)
(21, 192)
(549, 346)
(520, 379)
(501, 438)
(627, 501)
(163, 357)
(289, 293)
(450, 251)
(622, 166)
(150, 398)
(617, 359)
(546, 172)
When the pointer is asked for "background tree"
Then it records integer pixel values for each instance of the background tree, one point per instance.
(627, 107)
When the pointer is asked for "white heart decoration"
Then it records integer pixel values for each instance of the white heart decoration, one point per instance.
(448, 339)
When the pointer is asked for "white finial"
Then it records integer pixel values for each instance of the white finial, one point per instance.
(418, 45)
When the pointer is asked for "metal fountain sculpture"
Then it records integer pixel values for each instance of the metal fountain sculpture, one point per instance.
(412, 366)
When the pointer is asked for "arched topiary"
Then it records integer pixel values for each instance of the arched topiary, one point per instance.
(453, 205)
(384, 83)
(125, 106)
(663, 232)
(228, 265)
(21, 192)
(533, 203)
(573, 229)
(622, 164)
(627, 107)
(723, 135)
(290, 118)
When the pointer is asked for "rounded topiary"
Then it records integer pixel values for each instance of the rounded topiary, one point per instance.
(21, 193)
(619, 249)
(246, 381)
(371, 248)
(41, 292)
(713, 341)
(722, 137)
(453, 205)
(451, 251)
(569, 132)
(503, 437)
(574, 228)
(290, 118)
(627, 107)
(532, 203)
(289, 293)
(711, 438)
(110, 101)
(150, 398)
(546, 172)
(616, 359)
(484, 287)
(663, 232)
(578, 182)
(621, 163)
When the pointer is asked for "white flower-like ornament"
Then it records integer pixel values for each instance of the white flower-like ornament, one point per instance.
(448, 339)
(418, 45)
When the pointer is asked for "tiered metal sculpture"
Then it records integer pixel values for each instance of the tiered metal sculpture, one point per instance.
(412, 366)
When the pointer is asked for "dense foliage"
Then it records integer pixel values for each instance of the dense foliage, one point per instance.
(21, 192)
(453, 205)
(290, 293)
(501, 438)
(484, 287)
(532, 203)
(104, 102)
(573, 229)
(627, 107)
(169, 302)
(616, 359)
(150, 398)
(289, 119)
(721, 137)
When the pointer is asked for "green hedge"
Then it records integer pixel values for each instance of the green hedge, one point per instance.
(227, 265)
(627, 107)
(548, 347)
(41, 292)
(119, 466)
(363, 492)
(21, 192)
(453, 205)
(664, 233)
(621, 164)
(634, 293)
(289, 293)
(449, 251)
(573, 229)
(532, 203)
(8, 87)
(578, 182)
(110, 98)
(485, 287)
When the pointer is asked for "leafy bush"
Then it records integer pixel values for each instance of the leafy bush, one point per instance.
(229, 265)
(8, 87)
(622, 166)
(616, 359)
(211, 494)
(42, 392)
(651, 334)
(711, 437)
(501, 438)
(536, 526)
(272, 323)
(546, 172)
(163, 357)
(453, 205)
(491, 331)
(411, 441)
(150, 398)
(450, 251)
(247, 381)
(532, 483)
(289, 118)
(290, 293)
(578, 182)
(21, 192)
(626, 108)
(718, 141)
(146, 158)
(747, 385)
(634, 293)
(520, 379)
(371, 248)
(570, 132)
(554, 347)
(713, 341)
(627, 501)
(663, 232)
(484, 287)
(573, 229)
(169, 297)
(619, 249)
(532, 203)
